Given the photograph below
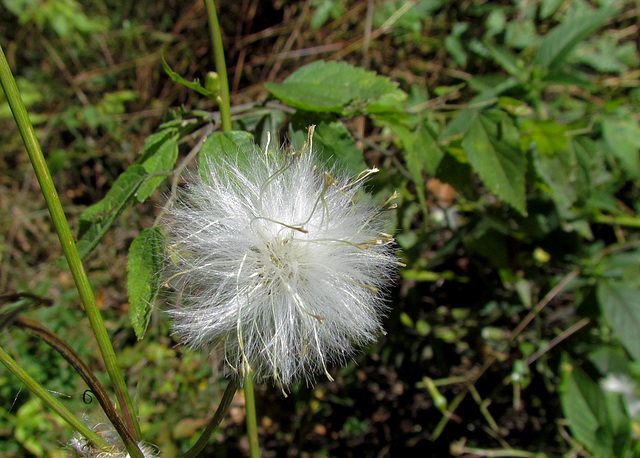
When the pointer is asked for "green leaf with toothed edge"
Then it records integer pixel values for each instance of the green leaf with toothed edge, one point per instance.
(582, 403)
(331, 140)
(233, 146)
(333, 86)
(96, 220)
(162, 160)
(562, 40)
(597, 418)
(620, 304)
(143, 277)
(492, 150)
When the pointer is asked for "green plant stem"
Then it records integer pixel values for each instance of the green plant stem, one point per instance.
(221, 66)
(252, 423)
(225, 403)
(36, 329)
(628, 221)
(68, 243)
(49, 400)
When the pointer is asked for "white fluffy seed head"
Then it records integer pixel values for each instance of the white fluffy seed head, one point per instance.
(278, 260)
(82, 447)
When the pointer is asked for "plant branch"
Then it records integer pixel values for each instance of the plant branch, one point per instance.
(221, 66)
(252, 423)
(223, 407)
(50, 401)
(67, 241)
(36, 329)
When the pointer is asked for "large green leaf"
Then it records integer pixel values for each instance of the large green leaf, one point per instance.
(143, 277)
(332, 141)
(334, 86)
(583, 404)
(413, 161)
(234, 146)
(492, 152)
(157, 139)
(459, 125)
(508, 61)
(96, 220)
(162, 160)
(428, 148)
(620, 304)
(558, 43)
(623, 140)
(559, 174)
(548, 136)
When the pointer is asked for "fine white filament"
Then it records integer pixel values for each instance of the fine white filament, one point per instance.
(279, 261)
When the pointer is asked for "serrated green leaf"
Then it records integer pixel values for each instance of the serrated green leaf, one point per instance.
(623, 140)
(233, 146)
(549, 7)
(620, 304)
(459, 125)
(453, 43)
(333, 86)
(621, 267)
(332, 141)
(96, 220)
(514, 106)
(326, 9)
(521, 34)
(558, 43)
(162, 160)
(583, 404)
(609, 359)
(428, 148)
(619, 424)
(591, 164)
(263, 124)
(195, 84)
(413, 14)
(498, 161)
(548, 136)
(607, 55)
(143, 277)
(558, 172)
(155, 140)
(507, 61)
(413, 162)
(494, 91)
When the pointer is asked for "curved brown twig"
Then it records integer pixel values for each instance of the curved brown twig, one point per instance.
(6, 319)
(36, 329)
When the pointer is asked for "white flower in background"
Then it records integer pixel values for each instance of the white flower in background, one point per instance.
(619, 383)
(279, 261)
(623, 385)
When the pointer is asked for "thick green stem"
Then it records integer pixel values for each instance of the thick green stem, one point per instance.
(252, 423)
(68, 243)
(221, 67)
(50, 401)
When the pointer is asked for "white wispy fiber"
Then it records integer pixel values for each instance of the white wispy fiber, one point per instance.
(279, 261)
(81, 447)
